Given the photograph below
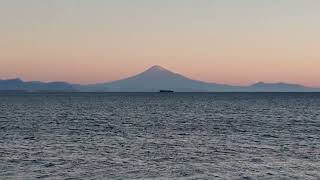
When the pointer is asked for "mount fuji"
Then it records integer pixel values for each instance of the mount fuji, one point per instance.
(156, 78)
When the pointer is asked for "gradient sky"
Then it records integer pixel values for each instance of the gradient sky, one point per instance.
(224, 41)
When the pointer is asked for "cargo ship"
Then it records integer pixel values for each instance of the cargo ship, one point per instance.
(166, 91)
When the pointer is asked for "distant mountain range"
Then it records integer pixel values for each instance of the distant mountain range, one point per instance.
(152, 80)
(19, 85)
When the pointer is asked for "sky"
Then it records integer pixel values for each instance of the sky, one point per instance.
(236, 42)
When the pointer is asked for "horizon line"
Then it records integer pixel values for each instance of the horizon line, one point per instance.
(164, 69)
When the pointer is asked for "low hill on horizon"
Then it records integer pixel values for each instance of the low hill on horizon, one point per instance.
(34, 86)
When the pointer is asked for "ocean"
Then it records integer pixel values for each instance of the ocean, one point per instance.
(160, 136)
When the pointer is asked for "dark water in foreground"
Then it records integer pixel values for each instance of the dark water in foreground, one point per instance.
(154, 135)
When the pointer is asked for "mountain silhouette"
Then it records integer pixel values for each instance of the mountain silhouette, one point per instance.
(152, 80)
(19, 85)
(278, 87)
(156, 78)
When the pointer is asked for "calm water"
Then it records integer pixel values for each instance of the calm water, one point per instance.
(155, 135)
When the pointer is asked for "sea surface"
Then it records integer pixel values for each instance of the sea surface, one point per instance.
(160, 136)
